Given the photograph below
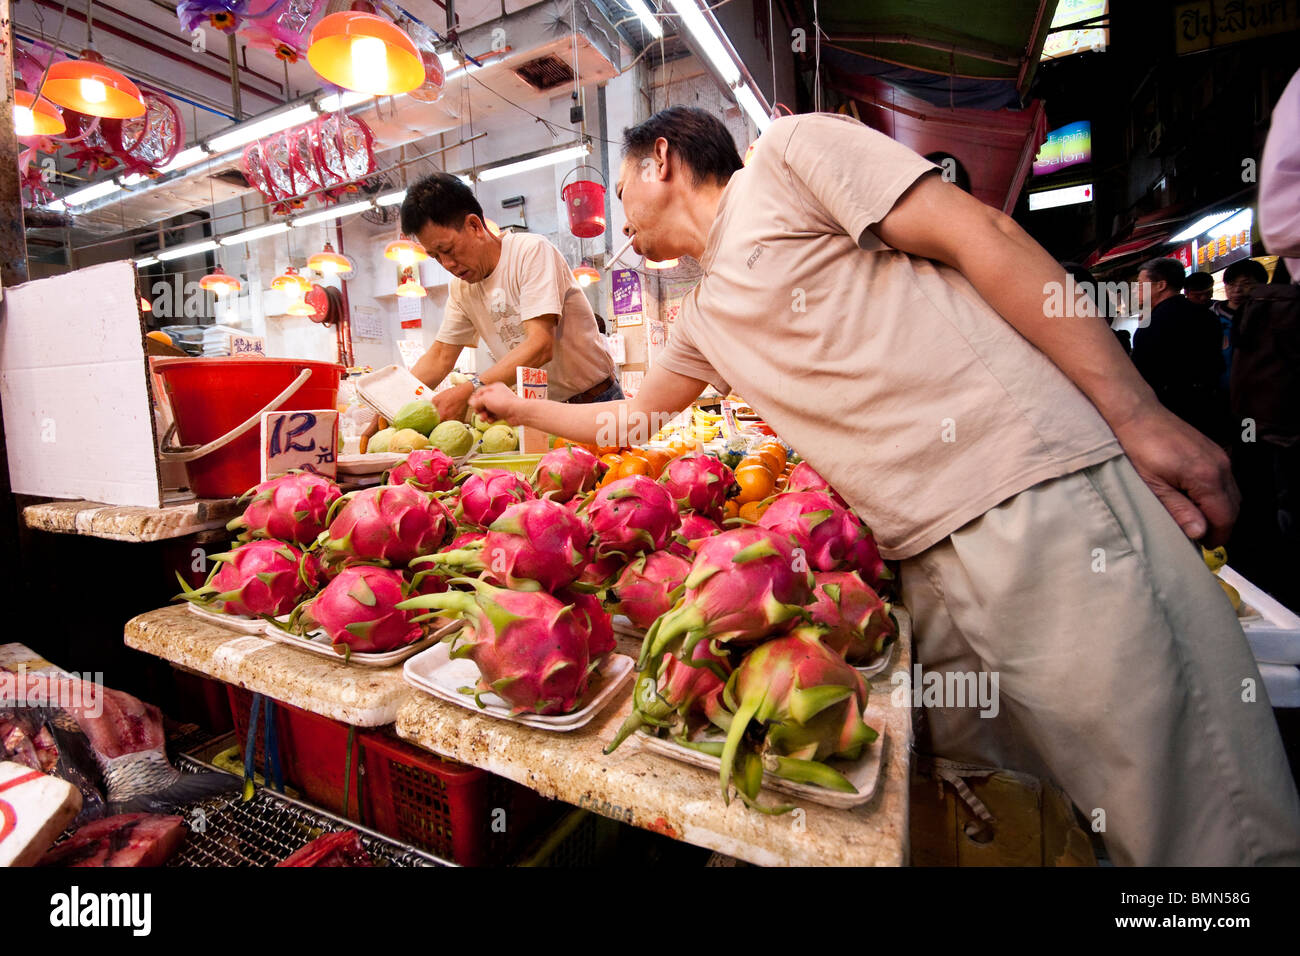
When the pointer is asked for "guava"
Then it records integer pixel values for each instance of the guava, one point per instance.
(453, 438)
(419, 416)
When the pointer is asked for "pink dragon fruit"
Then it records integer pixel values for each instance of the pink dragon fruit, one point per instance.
(290, 508)
(254, 580)
(804, 478)
(864, 557)
(536, 540)
(358, 610)
(466, 539)
(812, 703)
(390, 524)
(485, 495)
(600, 573)
(631, 516)
(566, 473)
(649, 587)
(678, 695)
(811, 520)
(697, 482)
(599, 625)
(531, 649)
(694, 527)
(858, 622)
(429, 469)
(743, 587)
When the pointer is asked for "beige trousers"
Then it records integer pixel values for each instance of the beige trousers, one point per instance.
(1123, 674)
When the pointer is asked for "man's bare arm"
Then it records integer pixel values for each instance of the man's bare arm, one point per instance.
(436, 364)
(537, 348)
(936, 220)
(631, 421)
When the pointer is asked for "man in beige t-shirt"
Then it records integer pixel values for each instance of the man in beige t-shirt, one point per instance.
(895, 331)
(514, 293)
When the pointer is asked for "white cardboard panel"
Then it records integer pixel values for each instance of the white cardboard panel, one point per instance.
(73, 379)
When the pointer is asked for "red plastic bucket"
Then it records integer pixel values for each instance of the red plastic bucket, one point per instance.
(585, 201)
(212, 396)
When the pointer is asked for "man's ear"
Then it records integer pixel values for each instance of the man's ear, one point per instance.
(661, 159)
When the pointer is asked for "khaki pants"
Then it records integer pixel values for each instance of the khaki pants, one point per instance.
(1123, 674)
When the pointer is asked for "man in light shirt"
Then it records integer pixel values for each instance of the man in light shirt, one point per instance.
(896, 332)
(514, 293)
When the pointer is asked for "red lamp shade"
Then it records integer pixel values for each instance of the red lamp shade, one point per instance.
(329, 262)
(89, 86)
(33, 117)
(361, 51)
(289, 281)
(586, 275)
(219, 282)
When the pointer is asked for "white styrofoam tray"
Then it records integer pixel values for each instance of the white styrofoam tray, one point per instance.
(1272, 630)
(437, 673)
(863, 773)
(232, 622)
(318, 642)
(387, 389)
(369, 463)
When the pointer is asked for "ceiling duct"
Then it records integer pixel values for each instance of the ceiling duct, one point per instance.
(545, 73)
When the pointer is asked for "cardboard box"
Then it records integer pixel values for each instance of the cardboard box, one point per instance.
(76, 388)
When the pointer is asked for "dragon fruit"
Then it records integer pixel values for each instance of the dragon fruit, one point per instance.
(485, 495)
(805, 478)
(631, 516)
(600, 573)
(358, 610)
(858, 622)
(864, 557)
(255, 579)
(743, 587)
(811, 701)
(566, 473)
(390, 524)
(697, 482)
(290, 508)
(427, 468)
(694, 527)
(531, 649)
(649, 587)
(536, 540)
(812, 521)
(678, 694)
(599, 625)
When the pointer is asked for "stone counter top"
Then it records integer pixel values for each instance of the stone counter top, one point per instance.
(129, 523)
(361, 696)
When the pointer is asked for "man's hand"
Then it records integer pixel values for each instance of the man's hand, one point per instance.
(452, 403)
(1188, 473)
(497, 402)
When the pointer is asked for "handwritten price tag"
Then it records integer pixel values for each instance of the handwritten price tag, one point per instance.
(247, 345)
(530, 382)
(305, 441)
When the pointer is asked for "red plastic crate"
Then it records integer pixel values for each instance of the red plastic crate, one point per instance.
(446, 807)
(313, 752)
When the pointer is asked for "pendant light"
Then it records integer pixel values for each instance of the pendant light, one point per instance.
(328, 262)
(362, 51)
(586, 274)
(291, 282)
(300, 307)
(90, 86)
(219, 282)
(410, 286)
(36, 117)
(405, 252)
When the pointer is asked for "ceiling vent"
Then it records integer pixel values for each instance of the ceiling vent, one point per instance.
(545, 73)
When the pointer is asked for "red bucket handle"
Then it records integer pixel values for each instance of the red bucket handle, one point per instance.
(564, 181)
(191, 452)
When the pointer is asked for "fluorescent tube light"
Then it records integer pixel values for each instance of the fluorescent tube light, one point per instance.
(536, 162)
(257, 232)
(337, 212)
(1202, 225)
(390, 199)
(749, 103)
(90, 193)
(708, 39)
(180, 252)
(256, 129)
(647, 18)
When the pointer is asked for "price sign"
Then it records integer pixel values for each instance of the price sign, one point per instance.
(530, 382)
(303, 441)
(247, 344)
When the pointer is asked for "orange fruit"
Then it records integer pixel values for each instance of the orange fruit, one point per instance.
(613, 459)
(731, 509)
(752, 461)
(755, 484)
(753, 510)
(633, 464)
(657, 458)
(769, 458)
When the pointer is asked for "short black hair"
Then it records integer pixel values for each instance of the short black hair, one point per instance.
(1245, 269)
(947, 162)
(696, 137)
(441, 199)
(1170, 270)
(1199, 282)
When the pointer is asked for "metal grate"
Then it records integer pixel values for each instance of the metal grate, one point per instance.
(545, 72)
(229, 832)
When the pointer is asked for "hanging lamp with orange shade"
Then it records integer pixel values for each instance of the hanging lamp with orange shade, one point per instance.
(328, 262)
(359, 50)
(405, 252)
(291, 282)
(220, 282)
(586, 273)
(36, 117)
(90, 86)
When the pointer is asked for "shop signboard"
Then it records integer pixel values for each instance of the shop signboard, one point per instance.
(300, 441)
(1088, 36)
(530, 382)
(242, 344)
(1224, 244)
(1066, 146)
(627, 293)
(1186, 254)
(1205, 24)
